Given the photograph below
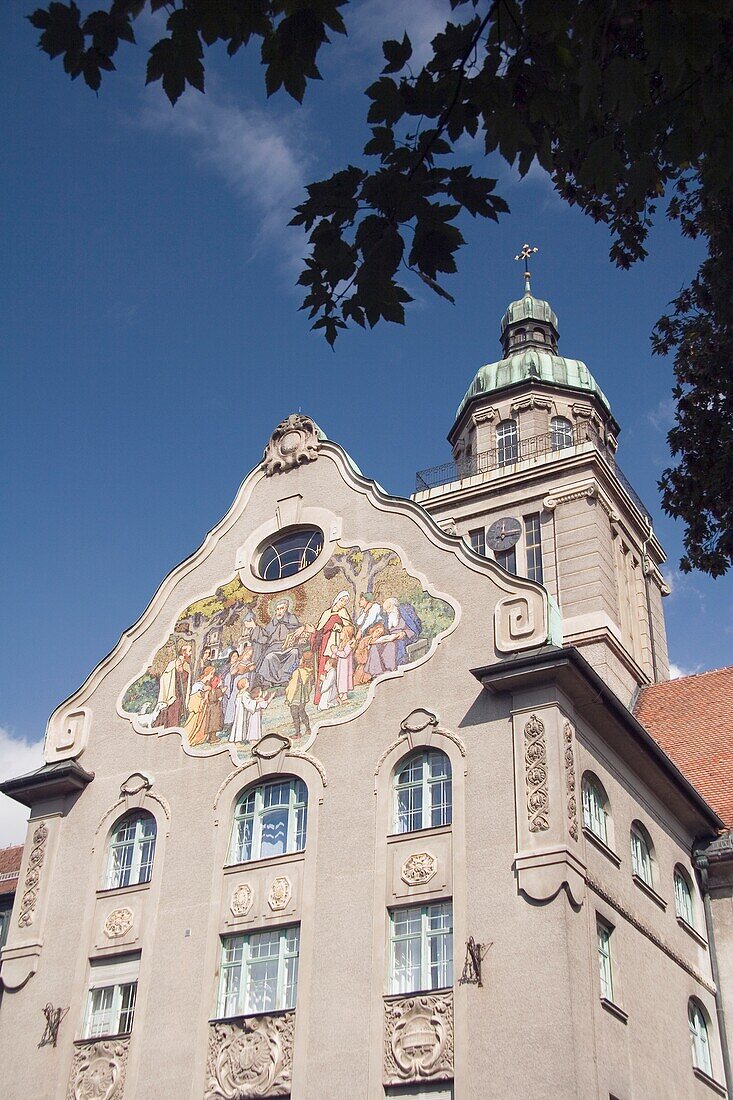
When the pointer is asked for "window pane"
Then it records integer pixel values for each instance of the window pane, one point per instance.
(274, 835)
(507, 559)
(409, 809)
(682, 898)
(604, 961)
(100, 1012)
(561, 433)
(242, 846)
(127, 1007)
(506, 442)
(533, 544)
(477, 539)
(699, 1036)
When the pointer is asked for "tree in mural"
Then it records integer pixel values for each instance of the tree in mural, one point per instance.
(361, 568)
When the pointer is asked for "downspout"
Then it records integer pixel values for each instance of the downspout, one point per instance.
(644, 560)
(702, 863)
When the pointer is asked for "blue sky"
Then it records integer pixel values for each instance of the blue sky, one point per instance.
(151, 338)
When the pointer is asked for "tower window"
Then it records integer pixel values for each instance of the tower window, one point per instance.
(477, 538)
(561, 433)
(506, 442)
(507, 559)
(533, 546)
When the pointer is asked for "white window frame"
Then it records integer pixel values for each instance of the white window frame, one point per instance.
(111, 997)
(684, 904)
(604, 933)
(297, 820)
(240, 1000)
(477, 540)
(507, 442)
(595, 815)
(699, 1038)
(427, 938)
(533, 546)
(561, 433)
(130, 859)
(642, 863)
(429, 786)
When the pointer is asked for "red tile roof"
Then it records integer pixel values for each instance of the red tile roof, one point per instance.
(692, 719)
(10, 868)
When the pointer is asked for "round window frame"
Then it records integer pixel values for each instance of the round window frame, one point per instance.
(248, 555)
(272, 540)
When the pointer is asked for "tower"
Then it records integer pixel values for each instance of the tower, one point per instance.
(534, 483)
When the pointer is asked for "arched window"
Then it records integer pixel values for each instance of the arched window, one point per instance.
(683, 903)
(131, 850)
(289, 553)
(641, 853)
(539, 336)
(696, 1017)
(423, 792)
(561, 433)
(595, 807)
(270, 820)
(506, 442)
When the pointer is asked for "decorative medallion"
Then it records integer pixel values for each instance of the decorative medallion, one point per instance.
(418, 868)
(280, 893)
(241, 902)
(98, 1071)
(294, 442)
(257, 673)
(535, 763)
(418, 1039)
(572, 802)
(118, 923)
(250, 1057)
(33, 875)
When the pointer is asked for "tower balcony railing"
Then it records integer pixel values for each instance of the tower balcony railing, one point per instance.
(511, 453)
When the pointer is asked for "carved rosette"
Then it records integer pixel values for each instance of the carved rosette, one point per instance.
(418, 868)
(572, 802)
(118, 923)
(98, 1071)
(280, 893)
(535, 764)
(418, 1039)
(250, 1057)
(33, 876)
(241, 902)
(294, 442)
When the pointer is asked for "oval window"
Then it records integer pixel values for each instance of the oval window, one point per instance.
(289, 553)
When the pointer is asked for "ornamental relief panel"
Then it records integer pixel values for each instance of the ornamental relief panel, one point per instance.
(32, 882)
(535, 771)
(280, 893)
(118, 923)
(242, 899)
(418, 868)
(250, 1057)
(98, 1071)
(418, 1039)
(570, 784)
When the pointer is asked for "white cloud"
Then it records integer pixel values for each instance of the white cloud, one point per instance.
(661, 417)
(373, 21)
(16, 758)
(263, 157)
(676, 671)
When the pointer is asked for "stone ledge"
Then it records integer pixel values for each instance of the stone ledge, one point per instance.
(615, 1010)
(601, 846)
(649, 890)
(709, 1081)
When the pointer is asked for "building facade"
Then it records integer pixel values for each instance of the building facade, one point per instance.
(360, 806)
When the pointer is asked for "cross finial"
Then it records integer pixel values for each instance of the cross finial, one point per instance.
(524, 254)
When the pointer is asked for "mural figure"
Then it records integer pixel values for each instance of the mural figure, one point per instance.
(239, 664)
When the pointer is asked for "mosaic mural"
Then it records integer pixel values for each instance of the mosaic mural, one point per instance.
(241, 664)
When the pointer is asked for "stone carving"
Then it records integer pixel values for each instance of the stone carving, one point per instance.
(519, 622)
(418, 1039)
(241, 902)
(118, 923)
(136, 783)
(98, 1071)
(250, 1057)
(535, 763)
(572, 802)
(33, 876)
(418, 868)
(280, 893)
(270, 746)
(418, 720)
(294, 442)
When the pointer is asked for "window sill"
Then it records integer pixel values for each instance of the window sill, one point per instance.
(269, 861)
(692, 932)
(434, 830)
(102, 1039)
(251, 1015)
(601, 846)
(650, 891)
(615, 1010)
(418, 993)
(709, 1081)
(114, 891)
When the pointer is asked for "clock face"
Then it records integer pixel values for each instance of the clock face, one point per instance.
(504, 533)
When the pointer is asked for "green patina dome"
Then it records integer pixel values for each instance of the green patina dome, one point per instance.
(529, 308)
(542, 366)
